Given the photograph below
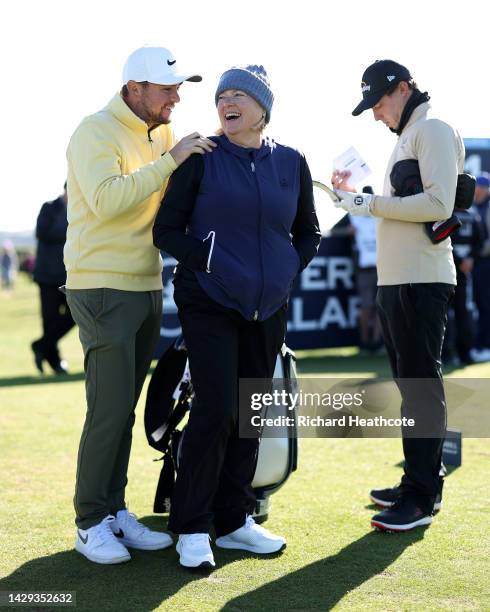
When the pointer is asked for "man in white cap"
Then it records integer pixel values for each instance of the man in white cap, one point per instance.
(119, 161)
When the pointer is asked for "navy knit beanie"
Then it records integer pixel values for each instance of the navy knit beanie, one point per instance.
(251, 79)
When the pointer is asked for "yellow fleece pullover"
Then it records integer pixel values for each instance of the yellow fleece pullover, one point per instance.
(117, 174)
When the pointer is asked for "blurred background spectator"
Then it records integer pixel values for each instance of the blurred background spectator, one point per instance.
(9, 264)
(460, 332)
(363, 232)
(50, 274)
(481, 271)
(28, 264)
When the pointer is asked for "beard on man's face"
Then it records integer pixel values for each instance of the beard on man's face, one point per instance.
(155, 119)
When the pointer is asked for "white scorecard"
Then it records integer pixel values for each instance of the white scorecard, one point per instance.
(351, 160)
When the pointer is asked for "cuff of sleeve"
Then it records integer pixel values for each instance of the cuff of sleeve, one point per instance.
(171, 161)
(166, 165)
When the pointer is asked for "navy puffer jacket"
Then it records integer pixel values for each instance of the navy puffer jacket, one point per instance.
(244, 221)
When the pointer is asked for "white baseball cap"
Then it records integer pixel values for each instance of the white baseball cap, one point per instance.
(155, 65)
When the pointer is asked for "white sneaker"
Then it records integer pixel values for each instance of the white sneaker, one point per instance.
(194, 550)
(133, 534)
(252, 537)
(98, 543)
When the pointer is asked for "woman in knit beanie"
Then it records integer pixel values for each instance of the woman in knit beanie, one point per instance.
(249, 88)
(241, 223)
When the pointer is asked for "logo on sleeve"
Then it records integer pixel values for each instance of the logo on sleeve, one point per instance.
(358, 200)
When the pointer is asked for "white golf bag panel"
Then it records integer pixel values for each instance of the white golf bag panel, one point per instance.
(170, 396)
(278, 452)
(273, 464)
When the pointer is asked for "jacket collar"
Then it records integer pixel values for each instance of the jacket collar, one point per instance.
(266, 148)
(418, 113)
(118, 107)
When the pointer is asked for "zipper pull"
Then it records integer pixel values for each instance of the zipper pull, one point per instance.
(252, 165)
(256, 315)
(210, 235)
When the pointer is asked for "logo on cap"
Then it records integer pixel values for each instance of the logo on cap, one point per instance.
(391, 77)
(172, 63)
(365, 87)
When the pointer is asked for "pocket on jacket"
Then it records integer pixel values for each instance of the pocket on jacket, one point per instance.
(230, 273)
(288, 269)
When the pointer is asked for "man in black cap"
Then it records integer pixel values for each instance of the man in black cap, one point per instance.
(416, 278)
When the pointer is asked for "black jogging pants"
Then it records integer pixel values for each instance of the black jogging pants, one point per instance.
(413, 320)
(217, 467)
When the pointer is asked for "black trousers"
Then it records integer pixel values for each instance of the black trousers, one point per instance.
(57, 321)
(413, 320)
(460, 334)
(217, 467)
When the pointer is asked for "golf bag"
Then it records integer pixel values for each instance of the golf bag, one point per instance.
(169, 398)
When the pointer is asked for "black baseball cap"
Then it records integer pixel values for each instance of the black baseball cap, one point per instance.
(377, 80)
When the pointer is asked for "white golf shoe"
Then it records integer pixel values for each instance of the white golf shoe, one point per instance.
(195, 551)
(99, 544)
(133, 534)
(252, 537)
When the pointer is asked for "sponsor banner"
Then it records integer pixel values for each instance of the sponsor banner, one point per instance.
(477, 155)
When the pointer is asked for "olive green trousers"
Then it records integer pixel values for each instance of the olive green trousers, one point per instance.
(119, 332)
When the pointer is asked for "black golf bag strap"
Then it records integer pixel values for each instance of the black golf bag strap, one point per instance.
(166, 480)
(165, 485)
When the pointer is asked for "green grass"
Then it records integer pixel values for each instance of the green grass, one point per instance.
(333, 559)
